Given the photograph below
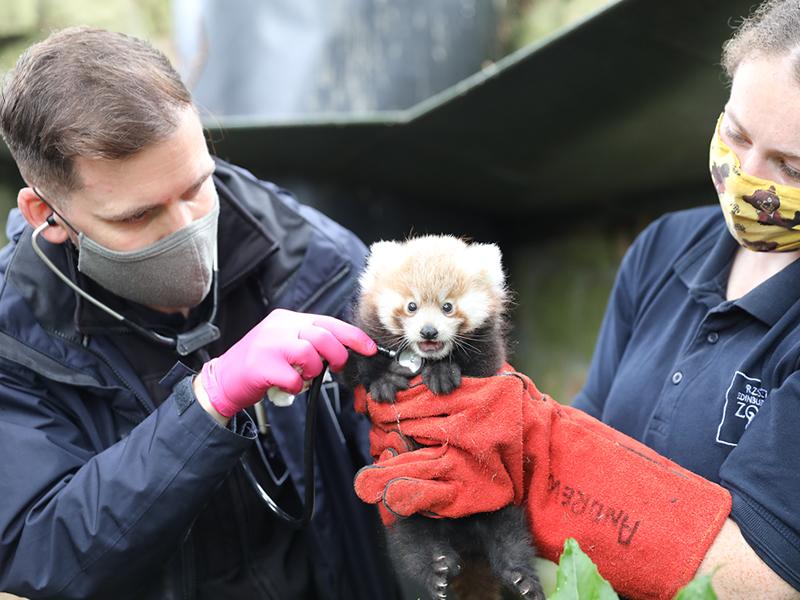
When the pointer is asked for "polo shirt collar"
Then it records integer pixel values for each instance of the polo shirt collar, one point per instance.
(705, 269)
(774, 298)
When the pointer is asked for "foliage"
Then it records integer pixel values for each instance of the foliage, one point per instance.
(577, 578)
(698, 589)
(532, 21)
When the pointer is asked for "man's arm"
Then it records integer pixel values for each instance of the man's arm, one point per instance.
(80, 521)
(205, 402)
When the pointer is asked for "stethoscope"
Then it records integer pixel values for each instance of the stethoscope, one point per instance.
(207, 332)
(309, 437)
(406, 358)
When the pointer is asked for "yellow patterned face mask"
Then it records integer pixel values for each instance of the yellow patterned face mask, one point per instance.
(762, 215)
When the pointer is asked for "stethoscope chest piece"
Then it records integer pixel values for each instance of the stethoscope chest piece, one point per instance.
(410, 360)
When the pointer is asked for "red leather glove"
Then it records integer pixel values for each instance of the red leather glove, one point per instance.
(644, 520)
(463, 464)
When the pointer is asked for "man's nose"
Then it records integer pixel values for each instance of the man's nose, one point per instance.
(180, 215)
(429, 332)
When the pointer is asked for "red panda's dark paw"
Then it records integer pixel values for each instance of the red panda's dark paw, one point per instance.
(525, 582)
(445, 565)
(385, 388)
(441, 377)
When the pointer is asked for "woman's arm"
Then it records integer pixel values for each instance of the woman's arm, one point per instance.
(739, 573)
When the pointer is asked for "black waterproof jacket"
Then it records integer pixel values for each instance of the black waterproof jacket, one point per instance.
(110, 488)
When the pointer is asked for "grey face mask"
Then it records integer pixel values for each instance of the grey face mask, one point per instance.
(174, 272)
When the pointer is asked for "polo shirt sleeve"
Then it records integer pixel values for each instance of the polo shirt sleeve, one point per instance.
(614, 334)
(763, 475)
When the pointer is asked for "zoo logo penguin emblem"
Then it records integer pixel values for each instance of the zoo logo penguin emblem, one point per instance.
(742, 401)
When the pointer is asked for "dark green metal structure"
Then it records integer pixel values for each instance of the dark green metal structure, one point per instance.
(619, 107)
(616, 110)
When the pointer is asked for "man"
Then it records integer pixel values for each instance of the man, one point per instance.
(120, 474)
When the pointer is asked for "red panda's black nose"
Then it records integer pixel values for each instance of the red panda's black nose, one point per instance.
(429, 332)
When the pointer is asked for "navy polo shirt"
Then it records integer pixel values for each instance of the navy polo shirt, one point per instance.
(712, 384)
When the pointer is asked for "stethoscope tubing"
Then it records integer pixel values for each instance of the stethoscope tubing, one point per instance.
(309, 447)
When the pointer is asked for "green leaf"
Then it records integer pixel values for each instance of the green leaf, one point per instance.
(577, 577)
(698, 588)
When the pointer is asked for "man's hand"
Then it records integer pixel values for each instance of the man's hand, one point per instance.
(282, 351)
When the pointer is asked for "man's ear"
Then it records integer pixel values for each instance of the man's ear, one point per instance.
(36, 212)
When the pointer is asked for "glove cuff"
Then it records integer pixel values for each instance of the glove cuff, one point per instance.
(216, 395)
(644, 520)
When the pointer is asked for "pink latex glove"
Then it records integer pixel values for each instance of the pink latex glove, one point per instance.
(268, 354)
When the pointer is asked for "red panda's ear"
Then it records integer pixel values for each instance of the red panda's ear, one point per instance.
(383, 256)
(487, 259)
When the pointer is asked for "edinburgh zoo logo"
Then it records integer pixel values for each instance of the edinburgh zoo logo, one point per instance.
(742, 401)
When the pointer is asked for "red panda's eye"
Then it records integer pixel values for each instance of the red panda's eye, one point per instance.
(412, 306)
(447, 308)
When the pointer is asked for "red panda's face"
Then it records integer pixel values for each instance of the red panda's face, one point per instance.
(430, 294)
(430, 326)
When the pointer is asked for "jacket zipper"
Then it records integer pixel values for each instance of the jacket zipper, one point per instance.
(145, 403)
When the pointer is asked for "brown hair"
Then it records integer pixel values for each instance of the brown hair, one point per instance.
(773, 29)
(90, 93)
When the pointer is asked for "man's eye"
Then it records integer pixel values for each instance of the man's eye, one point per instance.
(137, 218)
(193, 192)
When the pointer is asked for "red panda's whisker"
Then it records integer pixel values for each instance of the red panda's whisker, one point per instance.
(463, 344)
(463, 347)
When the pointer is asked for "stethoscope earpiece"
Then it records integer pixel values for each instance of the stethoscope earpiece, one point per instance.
(51, 221)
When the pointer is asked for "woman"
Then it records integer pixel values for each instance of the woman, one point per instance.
(697, 358)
